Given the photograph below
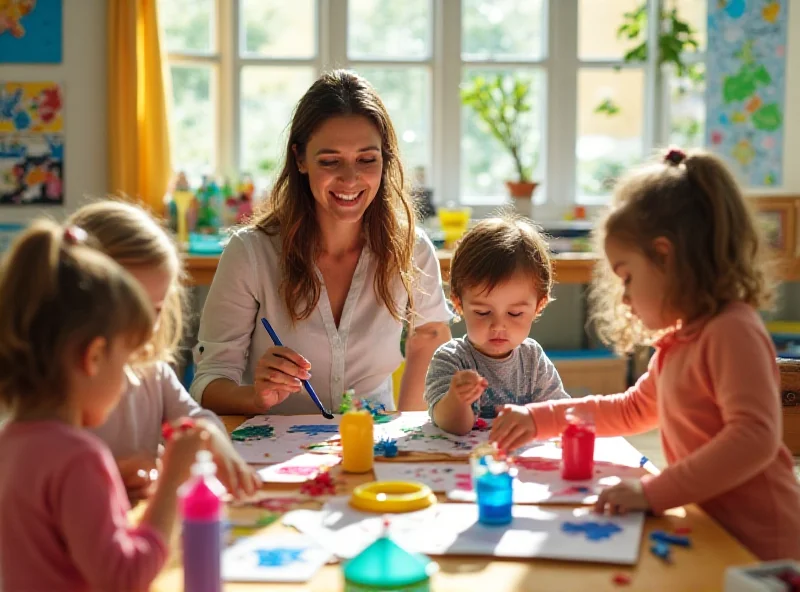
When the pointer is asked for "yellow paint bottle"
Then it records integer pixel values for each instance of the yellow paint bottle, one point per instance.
(357, 441)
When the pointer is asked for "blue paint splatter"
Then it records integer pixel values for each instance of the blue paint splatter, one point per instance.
(278, 557)
(595, 531)
(735, 8)
(386, 447)
(644, 460)
(314, 430)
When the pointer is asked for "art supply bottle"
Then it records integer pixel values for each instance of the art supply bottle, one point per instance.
(386, 567)
(200, 508)
(493, 481)
(358, 441)
(577, 447)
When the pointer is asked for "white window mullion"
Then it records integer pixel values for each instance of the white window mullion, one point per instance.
(447, 71)
(336, 56)
(227, 89)
(561, 125)
(653, 79)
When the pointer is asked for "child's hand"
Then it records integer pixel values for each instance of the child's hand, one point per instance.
(626, 496)
(467, 386)
(139, 473)
(278, 374)
(180, 452)
(512, 428)
(237, 476)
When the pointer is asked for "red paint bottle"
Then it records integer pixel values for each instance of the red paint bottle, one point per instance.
(577, 447)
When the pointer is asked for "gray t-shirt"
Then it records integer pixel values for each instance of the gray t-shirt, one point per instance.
(525, 376)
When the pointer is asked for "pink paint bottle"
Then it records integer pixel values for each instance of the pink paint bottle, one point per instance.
(577, 446)
(200, 507)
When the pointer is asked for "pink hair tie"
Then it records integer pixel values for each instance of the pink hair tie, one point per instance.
(675, 156)
(74, 235)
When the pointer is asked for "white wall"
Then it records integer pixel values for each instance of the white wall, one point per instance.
(82, 75)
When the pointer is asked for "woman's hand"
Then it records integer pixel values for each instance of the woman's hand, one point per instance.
(278, 375)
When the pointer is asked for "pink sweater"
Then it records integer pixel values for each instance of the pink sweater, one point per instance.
(63, 515)
(713, 390)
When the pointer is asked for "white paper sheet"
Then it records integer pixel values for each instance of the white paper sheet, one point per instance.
(453, 529)
(273, 558)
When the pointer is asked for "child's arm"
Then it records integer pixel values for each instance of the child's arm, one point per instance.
(91, 510)
(632, 412)
(741, 367)
(450, 391)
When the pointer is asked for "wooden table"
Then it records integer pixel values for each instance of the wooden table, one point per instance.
(698, 569)
(570, 268)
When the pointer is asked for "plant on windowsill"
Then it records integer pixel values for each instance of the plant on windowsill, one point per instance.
(499, 100)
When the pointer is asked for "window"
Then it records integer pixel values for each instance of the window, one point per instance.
(239, 67)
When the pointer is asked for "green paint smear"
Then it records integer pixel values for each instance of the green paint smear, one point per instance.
(267, 519)
(252, 433)
(768, 118)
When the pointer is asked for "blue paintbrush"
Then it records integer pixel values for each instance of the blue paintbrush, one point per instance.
(276, 340)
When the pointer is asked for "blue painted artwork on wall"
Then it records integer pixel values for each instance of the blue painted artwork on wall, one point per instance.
(746, 87)
(31, 31)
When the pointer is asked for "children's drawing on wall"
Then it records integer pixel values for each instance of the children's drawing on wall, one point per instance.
(745, 92)
(31, 107)
(31, 169)
(30, 31)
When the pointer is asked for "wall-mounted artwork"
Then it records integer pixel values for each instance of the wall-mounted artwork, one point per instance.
(31, 169)
(31, 31)
(31, 107)
(746, 86)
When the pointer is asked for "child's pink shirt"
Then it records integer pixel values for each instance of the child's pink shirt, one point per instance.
(713, 389)
(63, 515)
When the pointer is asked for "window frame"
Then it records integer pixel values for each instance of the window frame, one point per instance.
(560, 64)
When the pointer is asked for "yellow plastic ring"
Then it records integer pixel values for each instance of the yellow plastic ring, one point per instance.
(392, 497)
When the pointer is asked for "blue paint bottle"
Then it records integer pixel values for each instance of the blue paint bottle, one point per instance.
(493, 481)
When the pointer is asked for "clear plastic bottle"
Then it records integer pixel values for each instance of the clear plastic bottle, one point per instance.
(201, 510)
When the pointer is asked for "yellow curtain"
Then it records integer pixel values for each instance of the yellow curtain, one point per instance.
(138, 132)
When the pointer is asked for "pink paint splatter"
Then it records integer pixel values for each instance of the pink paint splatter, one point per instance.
(538, 464)
(463, 481)
(716, 138)
(277, 504)
(301, 471)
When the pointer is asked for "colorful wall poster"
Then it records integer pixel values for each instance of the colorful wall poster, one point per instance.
(31, 169)
(30, 31)
(31, 107)
(746, 86)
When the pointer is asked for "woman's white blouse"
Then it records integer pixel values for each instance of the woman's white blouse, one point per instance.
(360, 354)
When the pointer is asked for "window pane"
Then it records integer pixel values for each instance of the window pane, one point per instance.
(687, 109)
(486, 164)
(385, 29)
(269, 95)
(406, 92)
(192, 120)
(610, 127)
(187, 25)
(695, 13)
(279, 29)
(502, 29)
(598, 23)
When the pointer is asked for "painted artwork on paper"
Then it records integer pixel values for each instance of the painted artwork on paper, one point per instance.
(538, 480)
(31, 31)
(746, 86)
(271, 558)
(31, 107)
(571, 534)
(31, 169)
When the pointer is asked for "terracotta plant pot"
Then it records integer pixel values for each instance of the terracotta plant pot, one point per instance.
(521, 189)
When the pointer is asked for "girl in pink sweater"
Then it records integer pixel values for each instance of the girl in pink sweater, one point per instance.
(683, 270)
(70, 320)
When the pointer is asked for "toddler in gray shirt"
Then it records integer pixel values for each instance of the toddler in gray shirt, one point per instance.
(500, 281)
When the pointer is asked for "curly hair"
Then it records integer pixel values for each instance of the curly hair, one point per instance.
(694, 202)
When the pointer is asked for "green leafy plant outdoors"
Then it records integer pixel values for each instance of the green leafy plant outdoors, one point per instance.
(499, 100)
(677, 38)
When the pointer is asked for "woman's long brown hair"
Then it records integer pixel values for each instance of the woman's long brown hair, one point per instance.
(290, 213)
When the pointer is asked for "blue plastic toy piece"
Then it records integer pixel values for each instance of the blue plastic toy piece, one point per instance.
(661, 550)
(659, 536)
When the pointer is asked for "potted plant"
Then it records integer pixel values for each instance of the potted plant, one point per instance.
(499, 101)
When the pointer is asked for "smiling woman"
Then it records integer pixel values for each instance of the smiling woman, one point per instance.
(334, 262)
